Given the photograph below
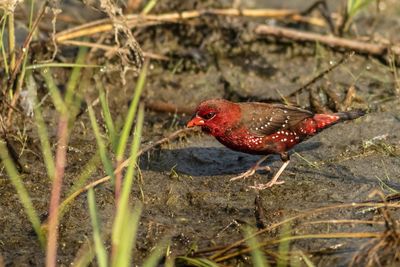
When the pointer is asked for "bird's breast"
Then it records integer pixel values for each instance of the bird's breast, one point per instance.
(242, 140)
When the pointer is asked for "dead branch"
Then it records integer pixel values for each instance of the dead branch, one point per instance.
(329, 40)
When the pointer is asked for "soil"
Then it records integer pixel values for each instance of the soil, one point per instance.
(186, 189)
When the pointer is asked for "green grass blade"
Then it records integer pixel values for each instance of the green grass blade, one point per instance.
(54, 91)
(354, 6)
(22, 75)
(350, 6)
(169, 258)
(256, 255)
(149, 6)
(101, 252)
(85, 255)
(154, 258)
(100, 143)
(107, 115)
(75, 75)
(118, 226)
(306, 260)
(41, 128)
(128, 181)
(131, 113)
(23, 194)
(31, 14)
(87, 170)
(284, 246)
(11, 39)
(130, 225)
(3, 51)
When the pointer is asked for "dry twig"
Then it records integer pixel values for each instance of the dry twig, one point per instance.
(124, 164)
(329, 40)
(320, 75)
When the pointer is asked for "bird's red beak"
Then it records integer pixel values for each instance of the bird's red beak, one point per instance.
(196, 121)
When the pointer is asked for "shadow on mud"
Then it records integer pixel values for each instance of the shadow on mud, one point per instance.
(216, 161)
(208, 161)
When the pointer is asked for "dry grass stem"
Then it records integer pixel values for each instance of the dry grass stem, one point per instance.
(60, 162)
(302, 215)
(134, 20)
(111, 49)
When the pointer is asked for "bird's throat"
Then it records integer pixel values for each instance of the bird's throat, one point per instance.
(211, 130)
(206, 130)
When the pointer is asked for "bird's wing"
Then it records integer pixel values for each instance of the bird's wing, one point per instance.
(266, 119)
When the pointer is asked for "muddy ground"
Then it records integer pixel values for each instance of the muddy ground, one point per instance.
(187, 194)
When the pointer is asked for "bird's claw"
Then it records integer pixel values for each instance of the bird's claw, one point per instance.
(243, 175)
(249, 173)
(265, 186)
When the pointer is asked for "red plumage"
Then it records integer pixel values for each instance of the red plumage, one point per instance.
(263, 129)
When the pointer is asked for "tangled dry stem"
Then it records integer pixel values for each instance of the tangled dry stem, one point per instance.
(384, 251)
(129, 50)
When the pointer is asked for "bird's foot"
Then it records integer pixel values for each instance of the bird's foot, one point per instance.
(274, 180)
(250, 172)
(265, 186)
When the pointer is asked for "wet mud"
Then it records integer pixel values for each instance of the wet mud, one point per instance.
(185, 187)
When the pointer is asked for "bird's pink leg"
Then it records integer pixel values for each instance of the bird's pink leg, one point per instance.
(274, 180)
(252, 170)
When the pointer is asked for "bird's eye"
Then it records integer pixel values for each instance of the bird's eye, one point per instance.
(209, 115)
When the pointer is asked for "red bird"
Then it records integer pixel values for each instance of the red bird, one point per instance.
(262, 129)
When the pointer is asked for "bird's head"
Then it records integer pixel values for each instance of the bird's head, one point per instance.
(215, 116)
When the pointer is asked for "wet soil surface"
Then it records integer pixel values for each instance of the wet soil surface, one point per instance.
(186, 188)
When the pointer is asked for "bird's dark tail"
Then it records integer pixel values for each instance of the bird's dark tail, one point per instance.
(322, 121)
(350, 115)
